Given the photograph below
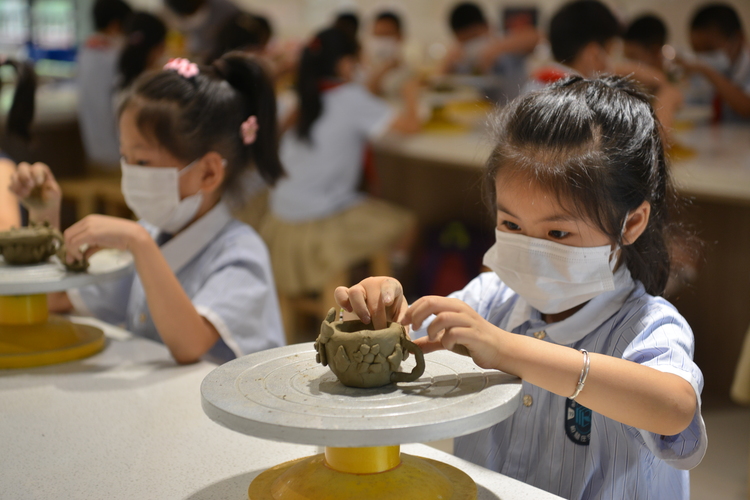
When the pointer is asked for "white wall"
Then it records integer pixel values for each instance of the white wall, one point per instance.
(426, 20)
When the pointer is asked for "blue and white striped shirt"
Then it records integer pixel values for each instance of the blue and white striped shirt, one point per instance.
(619, 462)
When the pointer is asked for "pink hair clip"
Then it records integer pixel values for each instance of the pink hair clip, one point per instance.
(249, 130)
(183, 67)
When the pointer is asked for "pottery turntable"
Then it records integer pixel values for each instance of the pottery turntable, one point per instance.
(283, 394)
(29, 336)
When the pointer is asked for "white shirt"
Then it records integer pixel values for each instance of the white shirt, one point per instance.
(740, 76)
(619, 461)
(97, 76)
(322, 175)
(223, 266)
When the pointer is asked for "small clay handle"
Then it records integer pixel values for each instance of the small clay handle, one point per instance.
(417, 371)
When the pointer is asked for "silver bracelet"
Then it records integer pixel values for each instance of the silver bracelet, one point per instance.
(584, 374)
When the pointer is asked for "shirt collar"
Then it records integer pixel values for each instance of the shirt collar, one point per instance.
(595, 312)
(193, 239)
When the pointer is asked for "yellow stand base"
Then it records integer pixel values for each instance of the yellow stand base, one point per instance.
(29, 338)
(392, 475)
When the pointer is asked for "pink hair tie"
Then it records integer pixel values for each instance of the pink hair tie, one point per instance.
(249, 130)
(183, 67)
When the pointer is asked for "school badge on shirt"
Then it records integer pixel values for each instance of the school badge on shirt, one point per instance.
(577, 422)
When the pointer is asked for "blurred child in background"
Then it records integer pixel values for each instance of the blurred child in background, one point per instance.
(319, 224)
(20, 116)
(478, 51)
(200, 22)
(202, 282)
(717, 37)
(644, 41)
(144, 49)
(384, 57)
(97, 84)
(581, 35)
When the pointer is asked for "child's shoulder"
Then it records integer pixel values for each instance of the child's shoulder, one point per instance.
(644, 315)
(238, 241)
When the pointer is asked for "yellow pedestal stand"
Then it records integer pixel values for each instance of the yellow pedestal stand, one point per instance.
(29, 337)
(370, 473)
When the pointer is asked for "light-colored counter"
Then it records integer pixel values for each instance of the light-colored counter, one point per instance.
(127, 423)
(717, 168)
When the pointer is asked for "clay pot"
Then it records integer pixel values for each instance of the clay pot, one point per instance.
(361, 356)
(35, 244)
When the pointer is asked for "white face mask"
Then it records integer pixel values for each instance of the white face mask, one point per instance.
(717, 59)
(153, 194)
(550, 276)
(383, 49)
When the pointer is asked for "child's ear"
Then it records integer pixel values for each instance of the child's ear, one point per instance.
(636, 223)
(213, 172)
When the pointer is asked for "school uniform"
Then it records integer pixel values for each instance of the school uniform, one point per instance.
(223, 266)
(739, 74)
(319, 223)
(555, 444)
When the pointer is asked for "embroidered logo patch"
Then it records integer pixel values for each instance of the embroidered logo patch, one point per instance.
(577, 422)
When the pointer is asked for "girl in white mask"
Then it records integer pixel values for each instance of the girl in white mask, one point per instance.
(202, 282)
(611, 395)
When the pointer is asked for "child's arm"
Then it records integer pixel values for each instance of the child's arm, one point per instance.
(735, 97)
(10, 215)
(185, 332)
(521, 41)
(408, 122)
(622, 390)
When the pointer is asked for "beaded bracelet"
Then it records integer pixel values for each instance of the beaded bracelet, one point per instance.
(584, 374)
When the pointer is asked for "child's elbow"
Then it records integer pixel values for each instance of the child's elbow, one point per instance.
(682, 411)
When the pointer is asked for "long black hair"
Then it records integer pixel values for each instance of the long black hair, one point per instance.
(317, 65)
(191, 117)
(597, 146)
(143, 33)
(21, 111)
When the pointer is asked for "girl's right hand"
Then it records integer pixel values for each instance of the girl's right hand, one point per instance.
(38, 191)
(378, 299)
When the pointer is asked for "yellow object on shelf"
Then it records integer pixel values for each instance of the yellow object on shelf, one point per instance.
(319, 478)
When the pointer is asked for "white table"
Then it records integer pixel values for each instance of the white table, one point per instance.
(127, 423)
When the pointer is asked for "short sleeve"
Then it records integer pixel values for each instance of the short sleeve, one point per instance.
(238, 298)
(666, 344)
(372, 114)
(107, 301)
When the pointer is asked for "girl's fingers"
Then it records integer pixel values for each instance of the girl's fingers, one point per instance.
(427, 306)
(446, 321)
(377, 309)
(358, 301)
(341, 295)
(428, 345)
(391, 292)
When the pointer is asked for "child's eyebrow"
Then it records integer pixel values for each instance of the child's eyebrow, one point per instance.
(564, 217)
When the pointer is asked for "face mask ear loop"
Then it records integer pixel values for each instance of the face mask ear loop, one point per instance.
(616, 253)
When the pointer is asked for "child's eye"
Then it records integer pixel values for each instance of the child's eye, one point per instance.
(510, 225)
(558, 235)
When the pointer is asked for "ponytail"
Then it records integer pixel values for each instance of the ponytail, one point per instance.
(22, 110)
(191, 113)
(249, 78)
(317, 66)
(143, 33)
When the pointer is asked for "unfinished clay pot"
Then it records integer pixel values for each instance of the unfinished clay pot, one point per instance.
(361, 356)
(35, 244)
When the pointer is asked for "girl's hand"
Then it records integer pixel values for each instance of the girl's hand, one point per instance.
(456, 325)
(380, 299)
(38, 191)
(94, 232)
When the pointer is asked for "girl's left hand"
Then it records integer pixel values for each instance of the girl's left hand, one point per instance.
(94, 232)
(456, 324)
